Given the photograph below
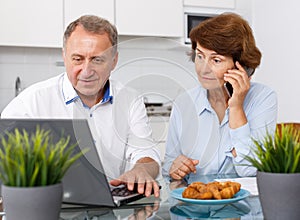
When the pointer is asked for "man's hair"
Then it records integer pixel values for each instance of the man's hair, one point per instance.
(93, 24)
(227, 34)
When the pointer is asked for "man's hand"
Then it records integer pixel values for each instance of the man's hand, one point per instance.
(143, 173)
(144, 212)
(182, 166)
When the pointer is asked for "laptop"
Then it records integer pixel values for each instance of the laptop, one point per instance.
(85, 183)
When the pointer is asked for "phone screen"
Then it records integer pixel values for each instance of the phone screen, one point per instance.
(228, 88)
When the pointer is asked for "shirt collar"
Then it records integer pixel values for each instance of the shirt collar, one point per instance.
(68, 91)
(107, 94)
(70, 94)
(201, 100)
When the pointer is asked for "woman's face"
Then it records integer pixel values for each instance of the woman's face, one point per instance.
(211, 67)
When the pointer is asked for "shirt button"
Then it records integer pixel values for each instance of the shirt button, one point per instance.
(91, 115)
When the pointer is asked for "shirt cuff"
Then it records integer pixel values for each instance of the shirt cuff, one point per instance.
(241, 141)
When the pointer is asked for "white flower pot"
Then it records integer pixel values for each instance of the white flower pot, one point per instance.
(32, 203)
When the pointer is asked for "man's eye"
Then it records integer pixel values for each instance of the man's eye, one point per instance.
(76, 59)
(98, 60)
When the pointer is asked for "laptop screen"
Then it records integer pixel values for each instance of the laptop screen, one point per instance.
(85, 182)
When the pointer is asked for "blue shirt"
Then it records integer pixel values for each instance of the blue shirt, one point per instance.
(195, 131)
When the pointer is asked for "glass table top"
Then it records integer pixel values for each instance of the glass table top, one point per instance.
(166, 207)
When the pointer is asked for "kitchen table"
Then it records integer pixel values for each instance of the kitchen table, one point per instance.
(167, 207)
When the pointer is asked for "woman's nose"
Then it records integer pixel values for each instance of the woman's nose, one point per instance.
(206, 67)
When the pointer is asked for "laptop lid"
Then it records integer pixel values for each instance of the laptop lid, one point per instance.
(85, 182)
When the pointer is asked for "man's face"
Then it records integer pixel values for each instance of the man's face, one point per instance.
(89, 59)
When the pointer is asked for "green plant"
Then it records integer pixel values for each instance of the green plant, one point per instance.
(279, 153)
(28, 160)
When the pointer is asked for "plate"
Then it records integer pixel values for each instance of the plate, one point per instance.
(242, 194)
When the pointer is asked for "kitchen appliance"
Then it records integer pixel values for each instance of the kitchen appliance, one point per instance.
(192, 20)
(18, 87)
(158, 109)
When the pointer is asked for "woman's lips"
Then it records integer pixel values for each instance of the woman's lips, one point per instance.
(208, 78)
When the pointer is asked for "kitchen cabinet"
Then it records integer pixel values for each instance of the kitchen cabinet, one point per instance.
(150, 17)
(73, 9)
(36, 23)
(211, 3)
(33, 23)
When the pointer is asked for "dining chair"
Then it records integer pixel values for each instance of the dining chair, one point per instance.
(295, 125)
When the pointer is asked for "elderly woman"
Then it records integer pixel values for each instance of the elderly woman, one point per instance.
(212, 126)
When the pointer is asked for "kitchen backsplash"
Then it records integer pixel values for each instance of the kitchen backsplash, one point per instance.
(159, 68)
(29, 64)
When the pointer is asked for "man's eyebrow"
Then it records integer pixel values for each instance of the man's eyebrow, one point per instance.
(76, 54)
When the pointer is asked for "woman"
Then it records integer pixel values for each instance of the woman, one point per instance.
(211, 129)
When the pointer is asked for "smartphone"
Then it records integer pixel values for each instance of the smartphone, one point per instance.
(228, 86)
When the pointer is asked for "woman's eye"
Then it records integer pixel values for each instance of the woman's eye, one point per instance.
(199, 56)
(217, 61)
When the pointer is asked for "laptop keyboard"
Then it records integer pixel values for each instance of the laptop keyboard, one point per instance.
(122, 191)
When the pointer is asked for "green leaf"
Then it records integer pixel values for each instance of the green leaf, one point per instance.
(34, 159)
(277, 153)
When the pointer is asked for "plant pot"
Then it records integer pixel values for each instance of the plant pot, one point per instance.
(279, 195)
(32, 203)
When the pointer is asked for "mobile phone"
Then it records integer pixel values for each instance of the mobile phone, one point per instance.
(228, 86)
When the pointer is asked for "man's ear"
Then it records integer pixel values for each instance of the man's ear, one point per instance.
(63, 55)
(115, 60)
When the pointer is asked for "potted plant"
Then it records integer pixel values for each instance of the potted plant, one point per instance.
(31, 170)
(277, 159)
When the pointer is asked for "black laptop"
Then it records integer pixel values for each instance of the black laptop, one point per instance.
(85, 183)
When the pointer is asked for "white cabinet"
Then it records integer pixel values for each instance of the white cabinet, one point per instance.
(73, 9)
(210, 3)
(33, 23)
(37, 23)
(150, 17)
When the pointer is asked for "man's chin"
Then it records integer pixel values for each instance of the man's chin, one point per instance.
(88, 94)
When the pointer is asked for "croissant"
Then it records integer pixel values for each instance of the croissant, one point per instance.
(211, 190)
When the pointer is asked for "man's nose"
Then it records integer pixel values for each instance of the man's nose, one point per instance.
(86, 65)
(87, 69)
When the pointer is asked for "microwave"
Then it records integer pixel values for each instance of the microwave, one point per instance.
(191, 20)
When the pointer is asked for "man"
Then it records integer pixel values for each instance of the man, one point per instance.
(116, 115)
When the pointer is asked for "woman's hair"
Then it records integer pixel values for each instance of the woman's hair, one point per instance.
(93, 24)
(227, 34)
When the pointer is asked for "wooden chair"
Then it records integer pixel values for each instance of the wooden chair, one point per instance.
(295, 125)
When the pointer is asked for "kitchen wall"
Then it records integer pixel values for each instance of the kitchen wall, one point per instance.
(277, 32)
(30, 64)
(162, 70)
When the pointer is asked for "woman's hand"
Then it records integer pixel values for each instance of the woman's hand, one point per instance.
(240, 82)
(182, 166)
